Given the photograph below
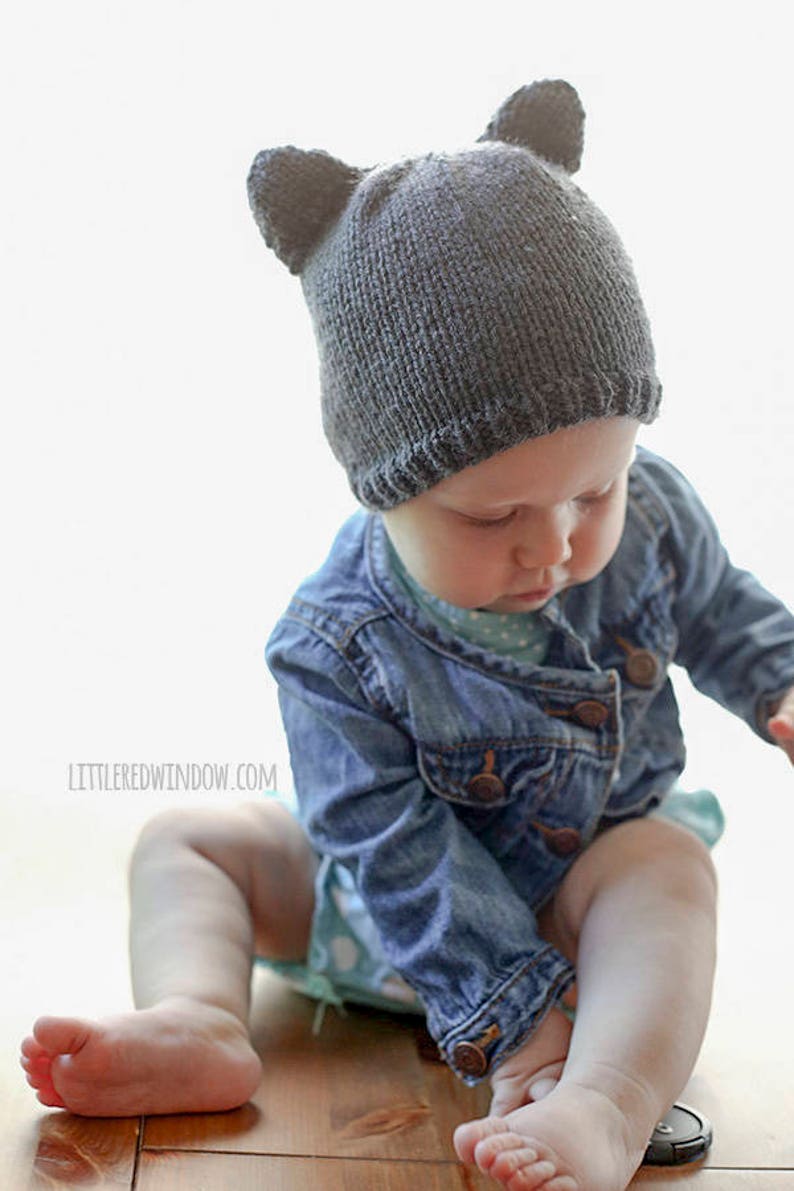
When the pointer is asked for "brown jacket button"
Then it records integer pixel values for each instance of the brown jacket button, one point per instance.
(563, 841)
(470, 1058)
(642, 668)
(486, 786)
(590, 713)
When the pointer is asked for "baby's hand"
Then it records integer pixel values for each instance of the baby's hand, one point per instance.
(533, 1070)
(781, 725)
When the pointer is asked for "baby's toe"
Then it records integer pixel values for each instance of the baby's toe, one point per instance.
(38, 1079)
(31, 1048)
(41, 1082)
(466, 1137)
(62, 1035)
(499, 1150)
(42, 1063)
(520, 1158)
(526, 1175)
(49, 1097)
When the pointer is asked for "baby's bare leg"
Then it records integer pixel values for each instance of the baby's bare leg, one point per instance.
(207, 888)
(637, 915)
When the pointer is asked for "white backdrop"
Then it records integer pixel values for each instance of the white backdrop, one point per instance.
(165, 483)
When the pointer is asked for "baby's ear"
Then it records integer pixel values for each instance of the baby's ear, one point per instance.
(296, 195)
(545, 117)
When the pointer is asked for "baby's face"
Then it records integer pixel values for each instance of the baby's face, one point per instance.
(509, 533)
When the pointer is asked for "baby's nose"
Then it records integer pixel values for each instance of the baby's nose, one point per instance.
(544, 542)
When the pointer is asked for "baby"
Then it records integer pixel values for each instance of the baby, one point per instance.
(483, 735)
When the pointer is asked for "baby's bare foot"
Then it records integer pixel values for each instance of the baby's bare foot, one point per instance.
(179, 1056)
(574, 1139)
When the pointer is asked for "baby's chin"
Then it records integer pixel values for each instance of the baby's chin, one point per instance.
(486, 602)
(510, 604)
(524, 603)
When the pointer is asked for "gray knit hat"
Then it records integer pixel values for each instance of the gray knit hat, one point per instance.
(462, 302)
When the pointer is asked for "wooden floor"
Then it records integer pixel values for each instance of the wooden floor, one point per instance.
(363, 1105)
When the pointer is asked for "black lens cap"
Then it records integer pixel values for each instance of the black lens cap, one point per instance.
(683, 1135)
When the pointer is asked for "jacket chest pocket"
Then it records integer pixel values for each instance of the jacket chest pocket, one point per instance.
(488, 774)
(525, 801)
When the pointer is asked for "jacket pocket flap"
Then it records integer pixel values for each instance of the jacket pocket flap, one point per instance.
(486, 773)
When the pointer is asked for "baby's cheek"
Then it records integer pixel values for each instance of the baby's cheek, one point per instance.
(597, 548)
(459, 579)
(471, 590)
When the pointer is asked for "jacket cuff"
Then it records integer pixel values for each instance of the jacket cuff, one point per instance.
(476, 1047)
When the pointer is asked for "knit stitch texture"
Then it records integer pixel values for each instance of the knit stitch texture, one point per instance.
(461, 302)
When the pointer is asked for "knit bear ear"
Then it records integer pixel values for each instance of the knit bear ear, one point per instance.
(546, 117)
(296, 195)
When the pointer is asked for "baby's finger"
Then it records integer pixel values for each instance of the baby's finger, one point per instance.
(506, 1099)
(542, 1087)
(781, 726)
(781, 723)
(783, 733)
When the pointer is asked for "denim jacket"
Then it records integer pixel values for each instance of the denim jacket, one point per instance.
(458, 786)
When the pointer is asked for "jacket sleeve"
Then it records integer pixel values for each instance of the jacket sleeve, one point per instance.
(736, 639)
(450, 922)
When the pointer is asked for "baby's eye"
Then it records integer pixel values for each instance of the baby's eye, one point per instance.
(595, 497)
(484, 524)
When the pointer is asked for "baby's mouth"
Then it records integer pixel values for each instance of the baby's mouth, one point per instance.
(539, 593)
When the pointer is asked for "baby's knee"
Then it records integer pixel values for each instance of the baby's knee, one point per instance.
(654, 858)
(259, 845)
(231, 837)
(173, 828)
(643, 853)
(656, 844)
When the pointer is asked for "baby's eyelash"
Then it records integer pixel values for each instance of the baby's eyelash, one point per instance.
(593, 499)
(596, 497)
(491, 524)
